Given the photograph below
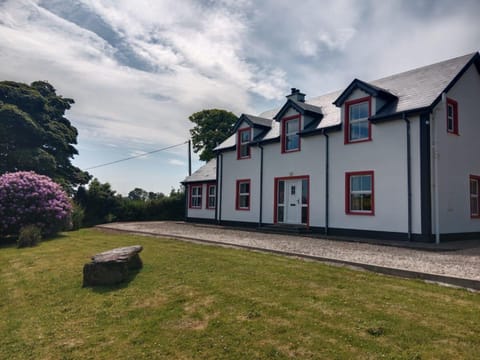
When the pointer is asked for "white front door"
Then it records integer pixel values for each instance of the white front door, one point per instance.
(293, 203)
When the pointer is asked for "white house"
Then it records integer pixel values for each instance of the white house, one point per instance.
(394, 158)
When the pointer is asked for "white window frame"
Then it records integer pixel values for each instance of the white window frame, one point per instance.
(474, 196)
(196, 197)
(211, 197)
(357, 122)
(244, 144)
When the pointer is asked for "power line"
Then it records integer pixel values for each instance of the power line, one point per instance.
(137, 156)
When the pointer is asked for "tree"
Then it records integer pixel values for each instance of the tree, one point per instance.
(138, 194)
(99, 201)
(35, 135)
(27, 198)
(211, 128)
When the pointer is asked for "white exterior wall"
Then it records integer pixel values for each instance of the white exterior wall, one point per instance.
(458, 156)
(232, 171)
(203, 212)
(309, 161)
(386, 155)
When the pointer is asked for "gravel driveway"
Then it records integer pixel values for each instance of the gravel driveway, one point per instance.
(464, 264)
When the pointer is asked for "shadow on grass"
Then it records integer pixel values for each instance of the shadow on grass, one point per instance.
(103, 289)
(10, 241)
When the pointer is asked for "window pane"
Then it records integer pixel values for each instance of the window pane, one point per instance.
(473, 187)
(244, 150)
(245, 136)
(304, 191)
(474, 206)
(244, 188)
(292, 142)
(355, 202)
(359, 111)
(304, 215)
(355, 183)
(244, 201)
(366, 183)
(359, 130)
(280, 214)
(450, 124)
(291, 126)
(367, 202)
(211, 190)
(281, 191)
(450, 110)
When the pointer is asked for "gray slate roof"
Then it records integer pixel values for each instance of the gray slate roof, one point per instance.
(415, 89)
(207, 172)
(260, 121)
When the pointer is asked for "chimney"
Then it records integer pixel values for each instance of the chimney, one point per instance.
(296, 95)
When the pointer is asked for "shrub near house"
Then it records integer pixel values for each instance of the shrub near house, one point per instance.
(27, 198)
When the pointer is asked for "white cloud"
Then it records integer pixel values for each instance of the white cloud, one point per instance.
(176, 162)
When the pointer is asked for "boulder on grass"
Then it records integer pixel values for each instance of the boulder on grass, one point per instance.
(113, 266)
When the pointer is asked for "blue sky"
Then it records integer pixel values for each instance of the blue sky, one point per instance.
(138, 69)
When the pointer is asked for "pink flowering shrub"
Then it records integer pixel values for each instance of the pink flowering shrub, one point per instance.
(27, 198)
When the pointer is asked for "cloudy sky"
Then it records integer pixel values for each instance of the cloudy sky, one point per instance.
(137, 69)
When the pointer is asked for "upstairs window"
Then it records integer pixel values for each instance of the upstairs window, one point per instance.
(243, 195)
(357, 126)
(196, 196)
(452, 116)
(243, 147)
(359, 193)
(290, 134)
(212, 196)
(474, 196)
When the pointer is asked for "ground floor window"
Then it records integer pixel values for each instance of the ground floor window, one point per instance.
(196, 196)
(359, 193)
(292, 200)
(212, 196)
(243, 194)
(474, 194)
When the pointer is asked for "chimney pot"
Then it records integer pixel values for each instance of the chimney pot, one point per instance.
(296, 95)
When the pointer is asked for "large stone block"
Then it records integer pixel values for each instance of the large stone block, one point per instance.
(112, 267)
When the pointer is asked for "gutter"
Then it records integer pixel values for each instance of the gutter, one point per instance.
(217, 187)
(220, 190)
(409, 176)
(261, 186)
(375, 119)
(435, 183)
(327, 189)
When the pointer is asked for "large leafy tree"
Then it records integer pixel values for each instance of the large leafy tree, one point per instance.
(35, 135)
(211, 128)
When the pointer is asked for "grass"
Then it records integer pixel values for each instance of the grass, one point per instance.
(202, 302)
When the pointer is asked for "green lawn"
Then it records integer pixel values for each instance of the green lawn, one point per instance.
(202, 302)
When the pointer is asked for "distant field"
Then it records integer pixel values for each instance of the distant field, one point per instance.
(204, 302)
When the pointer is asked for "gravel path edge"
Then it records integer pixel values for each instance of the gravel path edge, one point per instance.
(469, 284)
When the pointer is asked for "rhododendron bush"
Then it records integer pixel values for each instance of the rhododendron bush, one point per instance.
(27, 198)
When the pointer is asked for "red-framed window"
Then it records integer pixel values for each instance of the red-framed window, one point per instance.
(243, 140)
(357, 125)
(359, 193)
(211, 196)
(474, 196)
(290, 133)
(452, 116)
(195, 196)
(243, 194)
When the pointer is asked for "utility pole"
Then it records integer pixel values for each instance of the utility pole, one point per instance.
(189, 157)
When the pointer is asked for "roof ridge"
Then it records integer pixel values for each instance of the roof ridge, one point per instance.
(470, 55)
